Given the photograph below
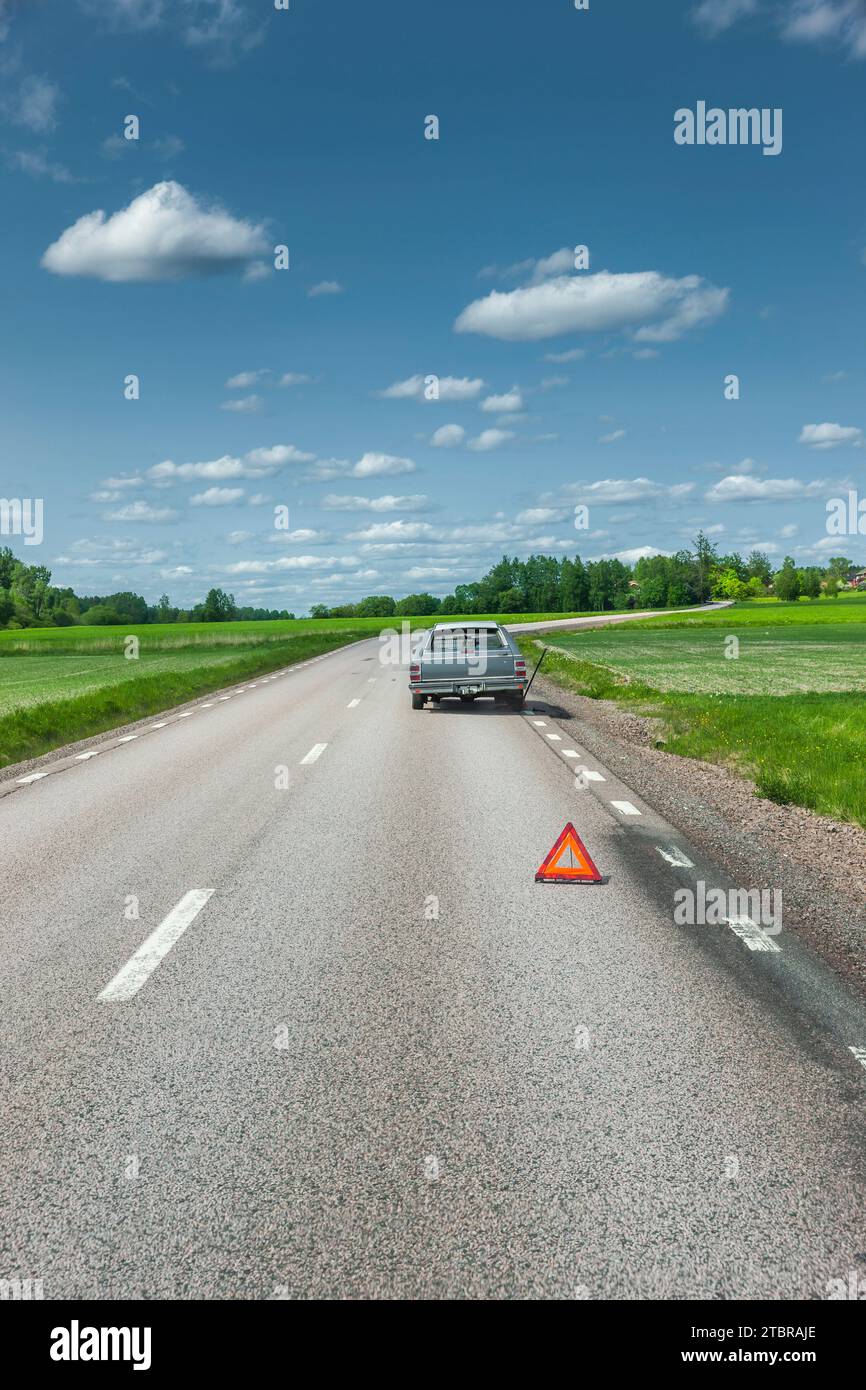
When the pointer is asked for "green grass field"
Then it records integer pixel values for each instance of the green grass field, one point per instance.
(786, 712)
(58, 685)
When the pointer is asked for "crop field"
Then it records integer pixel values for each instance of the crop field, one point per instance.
(169, 637)
(763, 660)
(786, 712)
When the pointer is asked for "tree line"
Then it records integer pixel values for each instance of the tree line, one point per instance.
(28, 599)
(539, 584)
(546, 584)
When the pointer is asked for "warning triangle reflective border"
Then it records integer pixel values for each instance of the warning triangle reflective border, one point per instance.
(569, 861)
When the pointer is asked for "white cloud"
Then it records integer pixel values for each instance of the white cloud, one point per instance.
(651, 306)
(126, 14)
(490, 439)
(572, 355)
(558, 263)
(290, 562)
(257, 463)
(829, 436)
(814, 21)
(164, 234)
(277, 456)
(640, 552)
(244, 380)
(294, 379)
(244, 405)
(324, 287)
(448, 437)
(142, 511)
(239, 537)
(217, 497)
(394, 531)
(430, 572)
(388, 503)
(303, 535)
(373, 465)
(125, 480)
(504, 404)
(34, 104)
(537, 516)
(608, 491)
(715, 16)
(39, 166)
(449, 388)
(742, 488)
(612, 437)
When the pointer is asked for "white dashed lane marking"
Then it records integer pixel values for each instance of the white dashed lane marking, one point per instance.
(352, 704)
(33, 777)
(141, 966)
(860, 1054)
(597, 777)
(82, 757)
(754, 936)
(127, 738)
(674, 855)
(315, 752)
(625, 807)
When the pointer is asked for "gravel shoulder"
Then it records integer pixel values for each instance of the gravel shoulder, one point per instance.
(819, 864)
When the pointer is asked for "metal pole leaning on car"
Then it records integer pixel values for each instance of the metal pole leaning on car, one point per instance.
(535, 672)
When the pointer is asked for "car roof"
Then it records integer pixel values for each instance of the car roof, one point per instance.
(461, 627)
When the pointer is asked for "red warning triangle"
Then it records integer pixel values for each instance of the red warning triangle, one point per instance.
(569, 861)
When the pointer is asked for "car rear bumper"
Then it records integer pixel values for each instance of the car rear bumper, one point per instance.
(503, 685)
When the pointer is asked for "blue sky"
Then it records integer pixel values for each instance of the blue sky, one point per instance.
(410, 258)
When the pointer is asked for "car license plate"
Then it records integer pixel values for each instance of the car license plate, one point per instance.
(470, 689)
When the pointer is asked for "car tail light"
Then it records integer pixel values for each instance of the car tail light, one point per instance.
(520, 668)
(414, 673)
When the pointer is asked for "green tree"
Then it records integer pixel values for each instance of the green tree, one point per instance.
(416, 606)
(786, 583)
(758, 566)
(375, 606)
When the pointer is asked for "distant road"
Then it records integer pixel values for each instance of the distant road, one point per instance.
(348, 1048)
(604, 619)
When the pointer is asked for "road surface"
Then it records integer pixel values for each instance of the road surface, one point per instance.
(350, 1049)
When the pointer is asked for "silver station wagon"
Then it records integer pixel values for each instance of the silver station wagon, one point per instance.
(468, 660)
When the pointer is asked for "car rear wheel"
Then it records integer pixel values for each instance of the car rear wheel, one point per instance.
(417, 701)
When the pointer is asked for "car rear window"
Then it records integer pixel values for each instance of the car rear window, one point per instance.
(471, 639)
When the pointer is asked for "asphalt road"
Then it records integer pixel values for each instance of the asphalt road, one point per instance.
(373, 1058)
